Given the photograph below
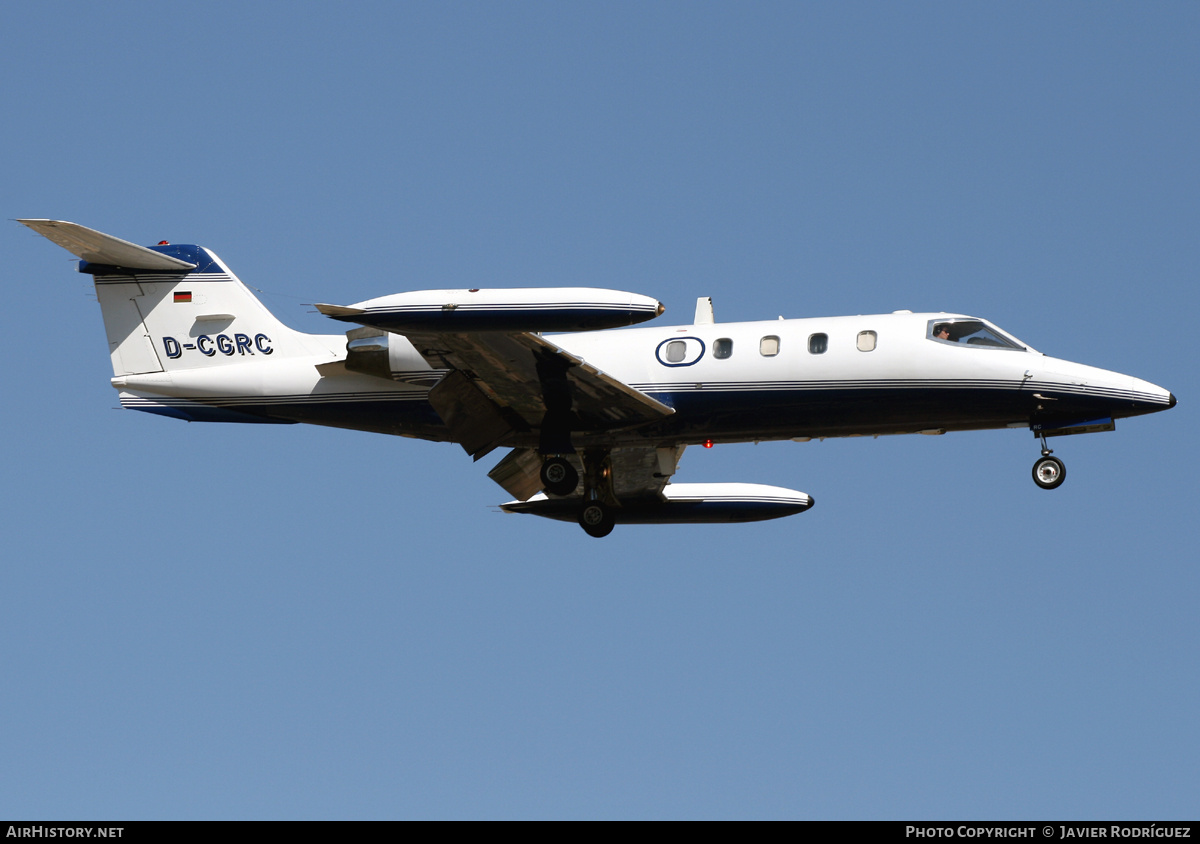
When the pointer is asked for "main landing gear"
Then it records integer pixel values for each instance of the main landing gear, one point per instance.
(597, 519)
(597, 505)
(1048, 472)
(598, 508)
(559, 476)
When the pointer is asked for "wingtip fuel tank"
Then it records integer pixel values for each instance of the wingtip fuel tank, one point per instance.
(501, 309)
(683, 504)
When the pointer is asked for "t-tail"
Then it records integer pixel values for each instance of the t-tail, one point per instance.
(173, 315)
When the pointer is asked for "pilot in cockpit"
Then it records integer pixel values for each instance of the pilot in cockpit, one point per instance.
(941, 332)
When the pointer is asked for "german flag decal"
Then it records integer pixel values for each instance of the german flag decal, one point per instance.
(183, 296)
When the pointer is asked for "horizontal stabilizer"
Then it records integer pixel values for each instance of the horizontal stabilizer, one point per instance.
(100, 248)
(336, 311)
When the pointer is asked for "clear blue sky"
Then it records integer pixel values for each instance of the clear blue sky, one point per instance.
(219, 621)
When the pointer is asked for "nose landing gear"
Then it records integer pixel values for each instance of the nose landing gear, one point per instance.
(1048, 472)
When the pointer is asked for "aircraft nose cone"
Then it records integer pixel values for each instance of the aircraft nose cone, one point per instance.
(1171, 403)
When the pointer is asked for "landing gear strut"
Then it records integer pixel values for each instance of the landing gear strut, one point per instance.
(598, 509)
(1048, 472)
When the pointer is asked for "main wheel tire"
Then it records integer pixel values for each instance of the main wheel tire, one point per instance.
(596, 519)
(1049, 472)
(559, 476)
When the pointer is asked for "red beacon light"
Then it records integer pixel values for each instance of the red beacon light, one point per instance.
(708, 443)
(164, 243)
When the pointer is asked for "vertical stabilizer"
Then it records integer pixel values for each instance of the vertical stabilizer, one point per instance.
(172, 307)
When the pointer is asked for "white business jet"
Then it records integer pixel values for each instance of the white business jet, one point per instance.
(596, 419)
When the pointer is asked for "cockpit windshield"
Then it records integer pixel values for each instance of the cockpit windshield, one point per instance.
(970, 332)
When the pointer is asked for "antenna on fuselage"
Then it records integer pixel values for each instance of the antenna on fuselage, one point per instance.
(704, 311)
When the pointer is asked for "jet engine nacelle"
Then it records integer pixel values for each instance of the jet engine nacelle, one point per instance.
(683, 504)
(498, 309)
(376, 352)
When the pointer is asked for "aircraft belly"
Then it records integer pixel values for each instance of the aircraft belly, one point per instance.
(295, 394)
(840, 409)
(729, 415)
(409, 417)
(837, 410)
(705, 411)
(385, 415)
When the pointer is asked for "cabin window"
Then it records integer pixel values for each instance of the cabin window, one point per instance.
(866, 341)
(723, 348)
(768, 346)
(818, 344)
(679, 351)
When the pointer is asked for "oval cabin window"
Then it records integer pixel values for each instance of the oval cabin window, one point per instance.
(866, 341)
(680, 351)
(768, 347)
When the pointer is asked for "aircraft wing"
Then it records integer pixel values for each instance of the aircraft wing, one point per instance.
(505, 382)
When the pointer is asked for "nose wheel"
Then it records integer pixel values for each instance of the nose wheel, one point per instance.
(1048, 471)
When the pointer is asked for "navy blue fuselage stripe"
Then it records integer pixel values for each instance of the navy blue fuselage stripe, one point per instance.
(165, 278)
(761, 414)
